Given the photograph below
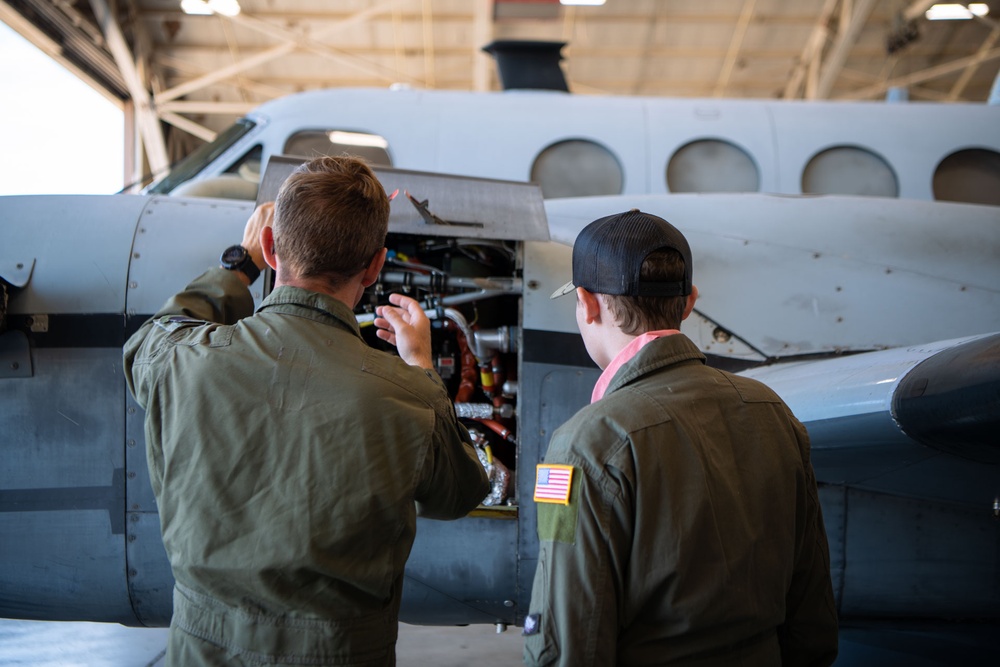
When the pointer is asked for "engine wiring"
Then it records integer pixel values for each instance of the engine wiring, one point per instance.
(470, 289)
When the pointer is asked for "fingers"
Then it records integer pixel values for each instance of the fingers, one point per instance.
(409, 304)
(263, 216)
(405, 325)
(405, 312)
(385, 335)
(389, 321)
(408, 309)
(389, 318)
(401, 300)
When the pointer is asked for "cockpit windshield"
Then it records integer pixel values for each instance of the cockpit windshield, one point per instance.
(197, 159)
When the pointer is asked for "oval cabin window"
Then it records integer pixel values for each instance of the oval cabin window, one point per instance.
(371, 148)
(971, 176)
(712, 165)
(849, 170)
(577, 168)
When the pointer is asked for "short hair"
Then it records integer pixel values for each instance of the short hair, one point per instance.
(331, 217)
(635, 315)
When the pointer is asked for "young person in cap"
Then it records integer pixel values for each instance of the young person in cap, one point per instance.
(678, 518)
(288, 458)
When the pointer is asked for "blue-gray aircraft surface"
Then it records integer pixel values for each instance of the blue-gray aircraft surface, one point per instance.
(847, 254)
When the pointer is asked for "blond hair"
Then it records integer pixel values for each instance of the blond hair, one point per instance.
(331, 217)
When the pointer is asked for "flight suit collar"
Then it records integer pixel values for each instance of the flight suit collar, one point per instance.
(657, 354)
(310, 305)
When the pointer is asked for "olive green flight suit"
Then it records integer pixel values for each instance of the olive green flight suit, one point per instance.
(693, 533)
(286, 456)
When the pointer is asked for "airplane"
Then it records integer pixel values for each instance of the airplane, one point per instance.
(872, 307)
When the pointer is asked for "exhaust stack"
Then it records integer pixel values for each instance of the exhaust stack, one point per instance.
(530, 65)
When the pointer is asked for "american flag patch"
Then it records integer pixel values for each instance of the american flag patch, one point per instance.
(552, 483)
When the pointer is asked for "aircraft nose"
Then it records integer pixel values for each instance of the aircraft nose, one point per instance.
(951, 401)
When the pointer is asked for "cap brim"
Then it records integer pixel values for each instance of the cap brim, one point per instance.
(565, 289)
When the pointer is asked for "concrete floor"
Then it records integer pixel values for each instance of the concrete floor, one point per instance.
(44, 644)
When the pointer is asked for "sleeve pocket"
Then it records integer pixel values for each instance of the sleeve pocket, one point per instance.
(541, 648)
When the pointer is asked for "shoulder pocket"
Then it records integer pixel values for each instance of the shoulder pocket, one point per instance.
(752, 391)
(179, 329)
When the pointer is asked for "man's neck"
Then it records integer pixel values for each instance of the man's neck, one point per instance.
(347, 293)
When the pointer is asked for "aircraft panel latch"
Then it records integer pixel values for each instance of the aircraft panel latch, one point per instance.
(16, 273)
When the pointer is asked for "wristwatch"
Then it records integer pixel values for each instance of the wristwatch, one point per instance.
(236, 258)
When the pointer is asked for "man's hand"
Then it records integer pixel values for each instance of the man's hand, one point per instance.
(263, 216)
(406, 327)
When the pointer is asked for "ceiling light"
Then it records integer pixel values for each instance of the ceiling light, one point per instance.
(951, 12)
(208, 7)
(589, 3)
(225, 7)
(196, 7)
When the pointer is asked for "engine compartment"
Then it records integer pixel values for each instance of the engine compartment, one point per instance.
(470, 289)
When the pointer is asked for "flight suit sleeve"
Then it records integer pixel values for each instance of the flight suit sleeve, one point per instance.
(217, 296)
(576, 597)
(809, 634)
(453, 482)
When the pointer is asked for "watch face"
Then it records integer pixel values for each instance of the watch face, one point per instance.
(233, 255)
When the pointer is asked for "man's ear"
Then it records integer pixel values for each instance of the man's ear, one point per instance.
(267, 246)
(689, 306)
(590, 304)
(374, 268)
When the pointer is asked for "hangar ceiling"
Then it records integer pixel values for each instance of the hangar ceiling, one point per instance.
(185, 77)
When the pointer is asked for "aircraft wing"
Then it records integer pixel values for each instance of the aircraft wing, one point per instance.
(905, 449)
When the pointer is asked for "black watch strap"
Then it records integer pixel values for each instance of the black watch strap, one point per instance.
(236, 258)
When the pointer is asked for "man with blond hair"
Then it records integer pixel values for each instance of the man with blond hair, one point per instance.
(288, 458)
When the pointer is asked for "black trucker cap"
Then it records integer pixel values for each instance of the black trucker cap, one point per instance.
(609, 253)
